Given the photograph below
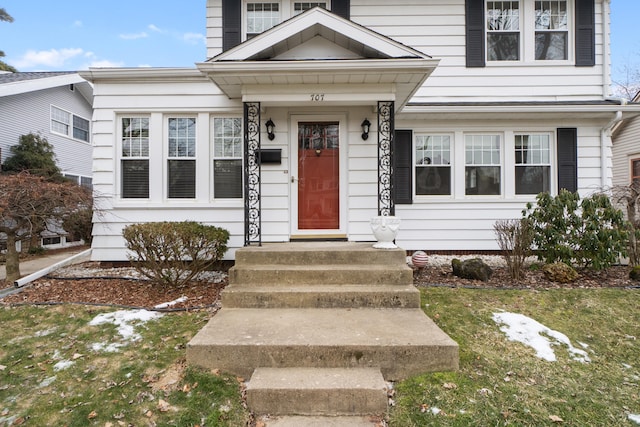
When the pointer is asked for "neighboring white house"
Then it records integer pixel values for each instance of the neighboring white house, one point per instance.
(626, 150)
(58, 106)
(473, 106)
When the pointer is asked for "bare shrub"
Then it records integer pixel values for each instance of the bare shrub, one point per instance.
(514, 238)
(173, 253)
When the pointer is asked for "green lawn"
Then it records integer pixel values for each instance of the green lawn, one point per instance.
(53, 373)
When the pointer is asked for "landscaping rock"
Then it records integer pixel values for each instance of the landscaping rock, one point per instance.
(474, 268)
(560, 272)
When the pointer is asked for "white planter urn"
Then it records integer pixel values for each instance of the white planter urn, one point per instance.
(385, 229)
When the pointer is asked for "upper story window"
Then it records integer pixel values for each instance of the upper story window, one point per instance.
(299, 7)
(635, 171)
(503, 30)
(181, 158)
(261, 17)
(552, 29)
(517, 30)
(134, 163)
(68, 124)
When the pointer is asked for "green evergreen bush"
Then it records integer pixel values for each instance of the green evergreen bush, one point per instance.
(173, 253)
(590, 233)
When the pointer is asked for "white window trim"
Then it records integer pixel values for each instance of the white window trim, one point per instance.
(70, 124)
(167, 157)
(528, 38)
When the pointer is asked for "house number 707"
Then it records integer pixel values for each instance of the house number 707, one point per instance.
(317, 97)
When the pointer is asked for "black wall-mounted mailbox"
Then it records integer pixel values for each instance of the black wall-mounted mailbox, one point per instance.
(270, 156)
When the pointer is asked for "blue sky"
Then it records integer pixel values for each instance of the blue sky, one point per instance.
(74, 34)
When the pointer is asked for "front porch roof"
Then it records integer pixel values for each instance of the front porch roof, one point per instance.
(319, 52)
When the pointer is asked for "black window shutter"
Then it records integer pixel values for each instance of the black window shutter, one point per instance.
(231, 23)
(475, 39)
(341, 8)
(403, 167)
(568, 159)
(585, 33)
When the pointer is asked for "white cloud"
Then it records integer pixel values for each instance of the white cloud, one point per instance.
(134, 36)
(49, 58)
(156, 29)
(104, 63)
(194, 38)
(78, 23)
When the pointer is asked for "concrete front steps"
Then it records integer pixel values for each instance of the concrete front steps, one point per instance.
(318, 328)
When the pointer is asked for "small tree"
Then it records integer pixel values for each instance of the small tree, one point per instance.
(34, 154)
(28, 201)
(627, 197)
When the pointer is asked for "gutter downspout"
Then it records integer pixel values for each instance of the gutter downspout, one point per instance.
(606, 48)
(605, 147)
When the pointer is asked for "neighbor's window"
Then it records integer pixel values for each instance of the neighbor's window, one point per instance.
(503, 30)
(533, 163)
(482, 164)
(299, 7)
(181, 158)
(261, 17)
(552, 30)
(433, 164)
(69, 124)
(635, 171)
(135, 158)
(227, 158)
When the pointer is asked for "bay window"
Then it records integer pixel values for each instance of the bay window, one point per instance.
(227, 140)
(134, 163)
(181, 158)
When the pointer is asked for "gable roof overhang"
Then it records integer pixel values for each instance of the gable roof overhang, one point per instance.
(318, 52)
(31, 82)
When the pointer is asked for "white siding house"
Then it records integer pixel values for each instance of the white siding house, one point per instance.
(58, 106)
(474, 107)
(626, 151)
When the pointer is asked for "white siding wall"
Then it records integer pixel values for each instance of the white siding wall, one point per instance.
(437, 28)
(31, 112)
(625, 148)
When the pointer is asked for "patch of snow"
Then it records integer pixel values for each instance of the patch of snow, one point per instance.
(523, 329)
(45, 332)
(62, 365)
(47, 382)
(171, 303)
(124, 320)
(435, 411)
(92, 270)
(634, 418)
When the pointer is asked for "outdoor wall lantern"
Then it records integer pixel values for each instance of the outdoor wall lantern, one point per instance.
(270, 125)
(366, 124)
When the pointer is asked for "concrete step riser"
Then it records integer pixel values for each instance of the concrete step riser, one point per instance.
(252, 256)
(315, 276)
(238, 298)
(395, 362)
(304, 391)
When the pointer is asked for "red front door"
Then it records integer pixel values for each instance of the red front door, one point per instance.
(319, 176)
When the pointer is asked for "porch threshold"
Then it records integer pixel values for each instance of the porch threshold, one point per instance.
(318, 238)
